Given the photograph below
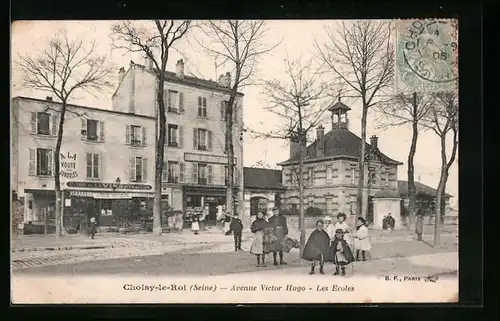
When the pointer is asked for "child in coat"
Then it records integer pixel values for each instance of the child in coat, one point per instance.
(342, 224)
(257, 228)
(317, 248)
(340, 252)
(361, 239)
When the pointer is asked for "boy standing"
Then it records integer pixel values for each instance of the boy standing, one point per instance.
(237, 227)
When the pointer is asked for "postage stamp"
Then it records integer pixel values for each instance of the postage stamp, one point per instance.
(426, 55)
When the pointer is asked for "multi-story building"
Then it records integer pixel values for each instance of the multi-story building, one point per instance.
(196, 163)
(331, 173)
(106, 159)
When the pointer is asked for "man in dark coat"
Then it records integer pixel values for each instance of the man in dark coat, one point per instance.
(388, 223)
(280, 229)
(317, 248)
(419, 225)
(237, 227)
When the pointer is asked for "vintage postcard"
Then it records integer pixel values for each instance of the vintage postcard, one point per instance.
(234, 161)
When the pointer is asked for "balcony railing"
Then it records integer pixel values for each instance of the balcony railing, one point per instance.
(202, 147)
(172, 144)
(202, 181)
(173, 179)
(135, 142)
(92, 137)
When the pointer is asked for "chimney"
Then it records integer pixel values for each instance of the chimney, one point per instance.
(225, 80)
(179, 68)
(121, 74)
(320, 141)
(48, 98)
(294, 148)
(374, 141)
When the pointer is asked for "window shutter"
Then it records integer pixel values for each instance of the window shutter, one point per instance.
(100, 167)
(132, 168)
(165, 99)
(181, 102)
(144, 141)
(101, 131)
(236, 177)
(164, 172)
(32, 159)
(194, 173)
(209, 138)
(195, 138)
(83, 130)
(144, 169)
(181, 172)
(50, 162)
(127, 134)
(181, 136)
(210, 174)
(33, 123)
(222, 111)
(54, 125)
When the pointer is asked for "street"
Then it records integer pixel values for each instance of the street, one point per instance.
(198, 257)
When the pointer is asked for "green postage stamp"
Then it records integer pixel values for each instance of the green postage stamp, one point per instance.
(426, 55)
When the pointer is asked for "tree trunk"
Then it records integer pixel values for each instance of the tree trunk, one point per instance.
(230, 151)
(361, 181)
(411, 166)
(302, 223)
(57, 179)
(161, 121)
(438, 208)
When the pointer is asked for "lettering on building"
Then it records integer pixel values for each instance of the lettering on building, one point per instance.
(109, 185)
(206, 158)
(67, 166)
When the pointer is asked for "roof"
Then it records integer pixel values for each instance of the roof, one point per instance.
(419, 187)
(387, 193)
(44, 101)
(262, 178)
(339, 106)
(338, 143)
(186, 80)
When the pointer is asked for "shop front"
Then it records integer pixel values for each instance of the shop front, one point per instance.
(207, 202)
(113, 205)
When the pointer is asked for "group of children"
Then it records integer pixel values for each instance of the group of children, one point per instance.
(333, 242)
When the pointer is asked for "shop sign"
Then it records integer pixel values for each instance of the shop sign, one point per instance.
(67, 165)
(206, 158)
(112, 195)
(109, 185)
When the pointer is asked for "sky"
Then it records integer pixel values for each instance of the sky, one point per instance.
(297, 40)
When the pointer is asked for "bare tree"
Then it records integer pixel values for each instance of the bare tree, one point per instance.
(359, 54)
(155, 41)
(236, 45)
(443, 121)
(300, 104)
(403, 110)
(63, 68)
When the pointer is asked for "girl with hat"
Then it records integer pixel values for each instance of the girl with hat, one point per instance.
(362, 239)
(342, 225)
(340, 252)
(329, 229)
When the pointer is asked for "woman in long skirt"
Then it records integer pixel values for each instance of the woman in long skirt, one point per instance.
(257, 248)
(195, 226)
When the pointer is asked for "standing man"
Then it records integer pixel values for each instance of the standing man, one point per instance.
(419, 225)
(237, 228)
(280, 230)
(388, 223)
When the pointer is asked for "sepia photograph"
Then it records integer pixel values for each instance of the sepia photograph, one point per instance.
(234, 161)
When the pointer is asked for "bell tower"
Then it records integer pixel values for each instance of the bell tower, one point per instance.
(339, 115)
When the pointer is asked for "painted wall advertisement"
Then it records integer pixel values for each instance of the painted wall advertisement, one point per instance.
(67, 167)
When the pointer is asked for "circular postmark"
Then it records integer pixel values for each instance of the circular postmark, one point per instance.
(427, 52)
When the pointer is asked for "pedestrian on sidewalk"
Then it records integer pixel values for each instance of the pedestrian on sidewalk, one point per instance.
(93, 227)
(317, 248)
(257, 248)
(419, 225)
(362, 239)
(342, 225)
(227, 224)
(340, 253)
(195, 225)
(237, 227)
